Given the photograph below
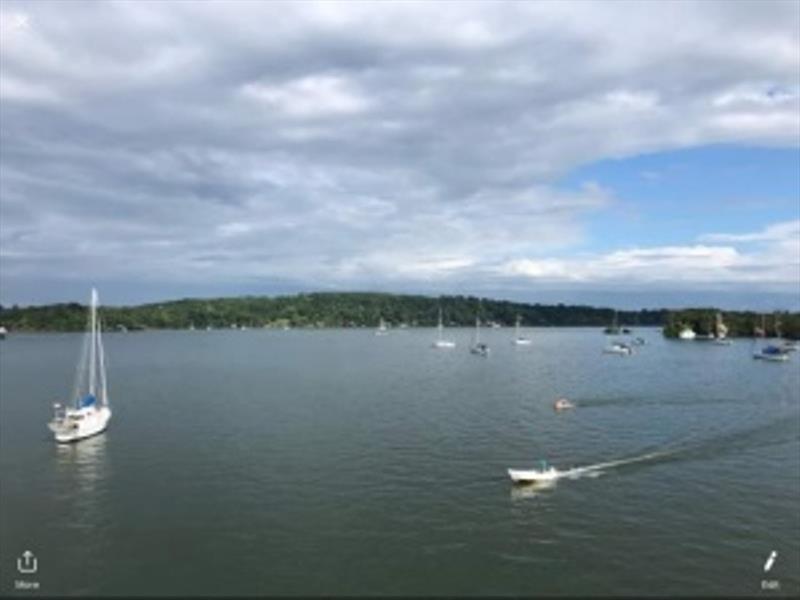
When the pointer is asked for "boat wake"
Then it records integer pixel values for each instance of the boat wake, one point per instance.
(597, 469)
(771, 433)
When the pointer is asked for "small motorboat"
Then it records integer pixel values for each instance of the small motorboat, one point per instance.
(722, 342)
(480, 349)
(618, 348)
(772, 353)
(543, 474)
(562, 404)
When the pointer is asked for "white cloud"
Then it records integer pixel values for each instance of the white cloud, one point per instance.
(368, 142)
(775, 261)
(309, 97)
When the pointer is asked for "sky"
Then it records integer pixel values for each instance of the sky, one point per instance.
(621, 154)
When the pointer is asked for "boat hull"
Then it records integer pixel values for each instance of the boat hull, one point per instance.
(771, 357)
(443, 344)
(92, 423)
(532, 475)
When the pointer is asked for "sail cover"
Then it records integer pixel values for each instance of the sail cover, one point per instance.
(89, 400)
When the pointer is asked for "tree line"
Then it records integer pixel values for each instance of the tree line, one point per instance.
(363, 309)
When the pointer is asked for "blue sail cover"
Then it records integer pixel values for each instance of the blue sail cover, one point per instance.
(772, 350)
(89, 400)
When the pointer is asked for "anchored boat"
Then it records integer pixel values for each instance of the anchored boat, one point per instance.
(440, 341)
(90, 412)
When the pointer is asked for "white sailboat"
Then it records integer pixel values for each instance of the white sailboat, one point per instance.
(721, 332)
(90, 412)
(382, 329)
(519, 340)
(687, 333)
(440, 341)
(478, 347)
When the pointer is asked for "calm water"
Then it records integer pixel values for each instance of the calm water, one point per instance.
(338, 462)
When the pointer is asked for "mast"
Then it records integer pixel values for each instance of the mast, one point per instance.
(441, 326)
(102, 354)
(477, 330)
(93, 345)
(517, 327)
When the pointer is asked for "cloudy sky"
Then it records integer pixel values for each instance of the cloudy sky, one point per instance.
(626, 154)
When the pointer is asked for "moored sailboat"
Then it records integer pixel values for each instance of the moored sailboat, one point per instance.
(90, 412)
(440, 341)
(519, 339)
(478, 347)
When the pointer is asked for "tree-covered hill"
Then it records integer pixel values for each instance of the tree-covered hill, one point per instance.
(317, 310)
(363, 309)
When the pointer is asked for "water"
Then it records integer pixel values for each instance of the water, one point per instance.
(338, 462)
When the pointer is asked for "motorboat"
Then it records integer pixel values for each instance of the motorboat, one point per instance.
(619, 348)
(543, 474)
(562, 404)
(480, 349)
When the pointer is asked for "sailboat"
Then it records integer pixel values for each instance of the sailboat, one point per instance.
(382, 329)
(519, 340)
(440, 341)
(770, 352)
(478, 347)
(721, 332)
(89, 413)
(613, 329)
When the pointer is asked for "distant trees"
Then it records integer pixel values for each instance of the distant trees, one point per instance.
(365, 309)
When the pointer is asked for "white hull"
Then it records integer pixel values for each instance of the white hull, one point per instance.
(443, 344)
(80, 424)
(521, 342)
(532, 475)
(619, 351)
(771, 357)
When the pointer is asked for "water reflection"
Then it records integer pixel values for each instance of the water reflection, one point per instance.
(83, 470)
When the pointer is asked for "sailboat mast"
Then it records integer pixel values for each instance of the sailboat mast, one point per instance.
(102, 354)
(441, 326)
(477, 330)
(93, 345)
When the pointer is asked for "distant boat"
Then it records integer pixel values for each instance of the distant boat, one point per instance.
(772, 353)
(382, 329)
(3, 332)
(90, 412)
(619, 348)
(613, 329)
(562, 404)
(440, 341)
(478, 347)
(687, 333)
(519, 340)
(721, 332)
